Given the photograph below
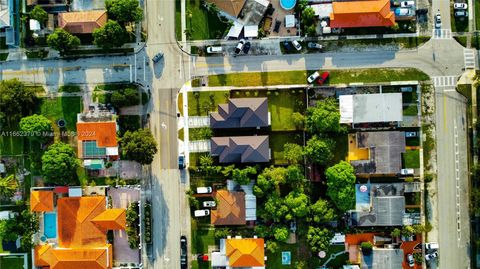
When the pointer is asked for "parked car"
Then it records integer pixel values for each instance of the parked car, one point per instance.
(438, 20)
(406, 89)
(431, 246)
(202, 257)
(209, 204)
(201, 213)
(157, 57)
(461, 13)
(314, 45)
(404, 12)
(407, 171)
(410, 260)
(183, 252)
(297, 45)
(287, 45)
(407, 3)
(214, 49)
(204, 190)
(411, 134)
(181, 162)
(323, 78)
(239, 47)
(313, 77)
(246, 48)
(431, 256)
(463, 6)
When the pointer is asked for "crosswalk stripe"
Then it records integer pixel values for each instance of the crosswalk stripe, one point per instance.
(444, 81)
(442, 34)
(469, 58)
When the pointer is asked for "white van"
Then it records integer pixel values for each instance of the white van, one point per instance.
(201, 213)
(204, 189)
(403, 12)
(214, 49)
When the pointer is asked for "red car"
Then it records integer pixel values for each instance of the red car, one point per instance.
(323, 78)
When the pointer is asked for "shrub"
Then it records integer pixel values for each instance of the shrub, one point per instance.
(132, 225)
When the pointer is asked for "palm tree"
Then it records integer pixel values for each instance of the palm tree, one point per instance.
(8, 185)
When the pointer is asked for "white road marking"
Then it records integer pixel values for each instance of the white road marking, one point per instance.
(445, 81)
(469, 58)
(442, 34)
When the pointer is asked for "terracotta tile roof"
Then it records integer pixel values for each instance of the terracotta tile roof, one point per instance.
(357, 239)
(83, 22)
(231, 7)
(105, 133)
(361, 14)
(97, 258)
(246, 252)
(111, 219)
(41, 201)
(42, 255)
(230, 208)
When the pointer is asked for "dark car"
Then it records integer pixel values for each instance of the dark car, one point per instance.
(246, 48)
(288, 46)
(181, 162)
(183, 252)
(157, 57)
(323, 78)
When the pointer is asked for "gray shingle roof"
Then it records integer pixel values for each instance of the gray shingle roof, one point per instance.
(386, 211)
(241, 113)
(383, 258)
(241, 149)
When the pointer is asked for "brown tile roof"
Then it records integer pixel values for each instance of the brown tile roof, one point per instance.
(83, 22)
(361, 14)
(231, 7)
(105, 133)
(97, 258)
(230, 208)
(41, 201)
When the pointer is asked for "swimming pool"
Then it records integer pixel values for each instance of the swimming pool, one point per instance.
(50, 224)
(362, 197)
(288, 4)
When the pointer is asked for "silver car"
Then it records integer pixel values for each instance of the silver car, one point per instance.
(313, 77)
(438, 20)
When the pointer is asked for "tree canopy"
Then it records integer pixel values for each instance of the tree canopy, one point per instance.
(318, 238)
(320, 150)
(321, 211)
(59, 164)
(124, 11)
(126, 97)
(324, 117)
(39, 14)
(62, 41)
(298, 205)
(139, 146)
(293, 153)
(274, 209)
(8, 186)
(341, 185)
(243, 176)
(38, 126)
(16, 100)
(111, 35)
(25, 225)
(280, 233)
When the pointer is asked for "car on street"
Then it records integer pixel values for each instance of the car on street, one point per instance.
(209, 204)
(239, 46)
(157, 57)
(404, 12)
(410, 260)
(314, 45)
(407, 171)
(202, 190)
(214, 49)
(313, 77)
(183, 252)
(201, 213)
(297, 45)
(461, 13)
(246, 48)
(431, 246)
(323, 78)
(438, 20)
(181, 162)
(431, 256)
(463, 6)
(288, 46)
(411, 134)
(407, 3)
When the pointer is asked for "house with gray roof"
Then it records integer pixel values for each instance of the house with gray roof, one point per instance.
(371, 108)
(241, 113)
(241, 149)
(385, 211)
(383, 258)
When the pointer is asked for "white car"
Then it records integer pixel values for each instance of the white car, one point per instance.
(209, 204)
(410, 260)
(460, 6)
(204, 190)
(297, 45)
(431, 256)
(438, 20)
(430, 246)
(407, 171)
(201, 213)
(239, 46)
(407, 3)
(313, 77)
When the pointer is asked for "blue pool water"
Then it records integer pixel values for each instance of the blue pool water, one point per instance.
(50, 224)
(286, 257)
(362, 199)
(288, 4)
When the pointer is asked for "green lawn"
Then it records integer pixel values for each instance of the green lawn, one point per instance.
(200, 103)
(65, 108)
(462, 40)
(277, 142)
(201, 238)
(200, 265)
(477, 18)
(199, 133)
(11, 262)
(274, 260)
(299, 77)
(10, 145)
(411, 159)
(36, 54)
(178, 20)
(3, 56)
(202, 23)
(413, 141)
(337, 262)
(410, 110)
(403, 42)
(69, 88)
(341, 148)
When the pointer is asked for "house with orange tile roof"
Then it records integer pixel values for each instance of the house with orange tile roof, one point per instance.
(82, 22)
(240, 252)
(230, 208)
(97, 138)
(74, 234)
(352, 14)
